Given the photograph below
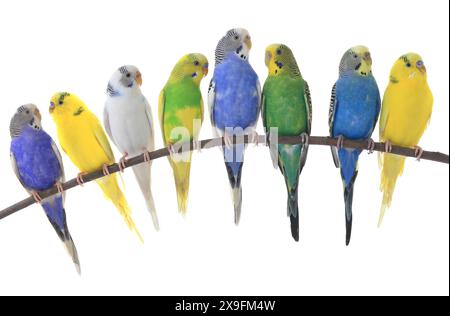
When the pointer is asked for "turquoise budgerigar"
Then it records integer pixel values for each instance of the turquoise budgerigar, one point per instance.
(234, 99)
(354, 110)
(38, 165)
(286, 106)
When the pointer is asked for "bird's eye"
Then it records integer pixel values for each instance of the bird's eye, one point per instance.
(355, 56)
(128, 75)
(236, 37)
(196, 63)
(279, 52)
(28, 112)
(408, 65)
(60, 102)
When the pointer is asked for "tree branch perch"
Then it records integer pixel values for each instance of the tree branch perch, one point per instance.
(217, 142)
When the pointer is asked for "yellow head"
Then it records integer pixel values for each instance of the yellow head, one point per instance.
(358, 60)
(408, 67)
(280, 60)
(191, 66)
(64, 104)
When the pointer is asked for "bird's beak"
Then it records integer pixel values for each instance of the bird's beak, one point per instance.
(422, 69)
(268, 58)
(38, 114)
(52, 107)
(205, 70)
(365, 68)
(248, 42)
(139, 78)
(368, 58)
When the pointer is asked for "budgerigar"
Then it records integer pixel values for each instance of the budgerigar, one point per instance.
(83, 139)
(38, 166)
(354, 111)
(406, 111)
(181, 107)
(128, 121)
(286, 106)
(234, 100)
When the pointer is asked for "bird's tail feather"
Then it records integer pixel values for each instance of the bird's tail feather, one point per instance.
(72, 250)
(293, 213)
(112, 191)
(56, 214)
(348, 198)
(234, 161)
(348, 162)
(142, 173)
(181, 174)
(291, 167)
(392, 168)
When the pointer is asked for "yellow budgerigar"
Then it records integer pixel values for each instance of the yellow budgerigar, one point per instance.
(405, 113)
(83, 139)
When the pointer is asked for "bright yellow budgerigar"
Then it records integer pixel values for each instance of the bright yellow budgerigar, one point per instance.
(83, 139)
(405, 113)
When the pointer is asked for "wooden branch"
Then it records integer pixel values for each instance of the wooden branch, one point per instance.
(217, 142)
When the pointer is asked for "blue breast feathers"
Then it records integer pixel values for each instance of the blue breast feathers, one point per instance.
(357, 107)
(236, 94)
(37, 164)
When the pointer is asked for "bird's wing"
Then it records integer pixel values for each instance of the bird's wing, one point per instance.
(212, 100)
(273, 148)
(308, 102)
(383, 120)
(307, 96)
(62, 179)
(107, 124)
(331, 114)
(102, 140)
(16, 171)
(161, 108)
(259, 105)
(149, 116)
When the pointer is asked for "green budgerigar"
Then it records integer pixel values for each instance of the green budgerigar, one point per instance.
(286, 111)
(180, 107)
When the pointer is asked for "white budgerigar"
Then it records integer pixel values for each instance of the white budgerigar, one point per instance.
(129, 123)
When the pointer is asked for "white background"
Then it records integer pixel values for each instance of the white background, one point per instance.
(48, 46)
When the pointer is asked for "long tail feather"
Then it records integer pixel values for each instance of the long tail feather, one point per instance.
(56, 214)
(234, 161)
(181, 174)
(112, 191)
(142, 173)
(392, 168)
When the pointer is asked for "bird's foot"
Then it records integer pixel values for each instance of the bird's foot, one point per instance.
(228, 139)
(105, 170)
(197, 145)
(304, 138)
(146, 154)
(254, 137)
(60, 187)
(80, 179)
(123, 161)
(37, 198)
(171, 149)
(340, 142)
(370, 146)
(418, 152)
(388, 146)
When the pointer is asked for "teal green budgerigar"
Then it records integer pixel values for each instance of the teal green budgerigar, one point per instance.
(286, 111)
(180, 106)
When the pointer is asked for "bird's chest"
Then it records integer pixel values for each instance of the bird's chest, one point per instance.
(357, 109)
(37, 164)
(130, 126)
(236, 95)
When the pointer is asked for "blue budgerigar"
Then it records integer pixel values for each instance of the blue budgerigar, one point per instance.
(38, 165)
(354, 111)
(234, 99)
